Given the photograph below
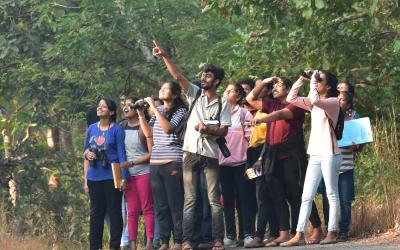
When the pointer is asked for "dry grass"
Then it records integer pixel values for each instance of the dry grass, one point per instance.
(11, 242)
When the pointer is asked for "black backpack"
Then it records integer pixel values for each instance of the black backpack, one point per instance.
(340, 124)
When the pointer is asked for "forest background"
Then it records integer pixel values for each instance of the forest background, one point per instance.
(59, 57)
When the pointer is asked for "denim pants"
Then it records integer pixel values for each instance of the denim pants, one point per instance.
(346, 197)
(318, 167)
(193, 165)
(202, 227)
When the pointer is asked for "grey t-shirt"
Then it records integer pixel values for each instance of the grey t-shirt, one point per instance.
(204, 111)
(135, 149)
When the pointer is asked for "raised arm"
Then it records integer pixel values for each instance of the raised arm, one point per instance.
(162, 120)
(301, 102)
(253, 97)
(283, 114)
(148, 133)
(329, 105)
(158, 51)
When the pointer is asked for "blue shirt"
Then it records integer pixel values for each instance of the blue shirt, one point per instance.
(111, 142)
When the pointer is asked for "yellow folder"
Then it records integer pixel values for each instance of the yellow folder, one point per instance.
(116, 170)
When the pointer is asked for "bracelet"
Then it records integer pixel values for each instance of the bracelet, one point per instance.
(131, 164)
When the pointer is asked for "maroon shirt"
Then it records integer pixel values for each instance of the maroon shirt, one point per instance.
(281, 130)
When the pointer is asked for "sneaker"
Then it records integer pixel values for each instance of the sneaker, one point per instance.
(228, 242)
(239, 243)
(247, 241)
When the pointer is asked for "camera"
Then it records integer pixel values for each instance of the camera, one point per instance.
(101, 155)
(141, 104)
(221, 141)
(307, 74)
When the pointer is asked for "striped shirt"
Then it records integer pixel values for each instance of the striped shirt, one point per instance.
(347, 153)
(166, 146)
(348, 160)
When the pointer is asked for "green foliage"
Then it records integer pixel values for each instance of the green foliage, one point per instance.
(58, 57)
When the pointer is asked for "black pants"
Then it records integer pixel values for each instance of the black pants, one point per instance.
(166, 183)
(235, 188)
(266, 212)
(104, 198)
(286, 186)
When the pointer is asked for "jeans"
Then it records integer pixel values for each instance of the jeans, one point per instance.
(166, 183)
(202, 227)
(104, 198)
(318, 167)
(125, 233)
(236, 189)
(346, 197)
(193, 165)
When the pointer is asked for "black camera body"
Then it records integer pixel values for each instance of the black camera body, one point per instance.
(307, 74)
(101, 155)
(221, 141)
(140, 105)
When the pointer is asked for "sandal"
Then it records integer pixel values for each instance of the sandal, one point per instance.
(313, 241)
(187, 246)
(273, 244)
(164, 247)
(292, 243)
(218, 245)
(177, 246)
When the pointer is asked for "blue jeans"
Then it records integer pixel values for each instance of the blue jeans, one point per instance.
(125, 233)
(318, 167)
(346, 197)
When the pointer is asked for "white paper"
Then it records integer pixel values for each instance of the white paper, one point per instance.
(358, 131)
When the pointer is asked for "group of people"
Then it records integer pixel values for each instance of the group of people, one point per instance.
(191, 187)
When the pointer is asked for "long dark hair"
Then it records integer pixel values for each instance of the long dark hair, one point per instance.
(349, 99)
(332, 81)
(178, 101)
(112, 106)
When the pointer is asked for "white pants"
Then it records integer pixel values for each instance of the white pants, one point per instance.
(318, 167)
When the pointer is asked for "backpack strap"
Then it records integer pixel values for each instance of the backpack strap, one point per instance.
(194, 102)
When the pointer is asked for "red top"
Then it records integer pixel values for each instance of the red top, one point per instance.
(281, 130)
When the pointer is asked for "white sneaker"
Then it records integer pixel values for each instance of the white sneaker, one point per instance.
(247, 241)
(230, 242)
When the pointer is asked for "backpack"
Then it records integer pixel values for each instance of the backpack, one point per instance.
(340, 124)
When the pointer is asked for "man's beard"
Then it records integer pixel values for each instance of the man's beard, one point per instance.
(205, 86)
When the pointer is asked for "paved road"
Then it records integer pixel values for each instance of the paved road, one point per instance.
(357, 245)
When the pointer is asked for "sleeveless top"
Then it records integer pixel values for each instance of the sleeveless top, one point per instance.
(135, 149)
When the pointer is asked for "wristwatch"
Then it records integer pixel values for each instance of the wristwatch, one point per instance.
(131, 164)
